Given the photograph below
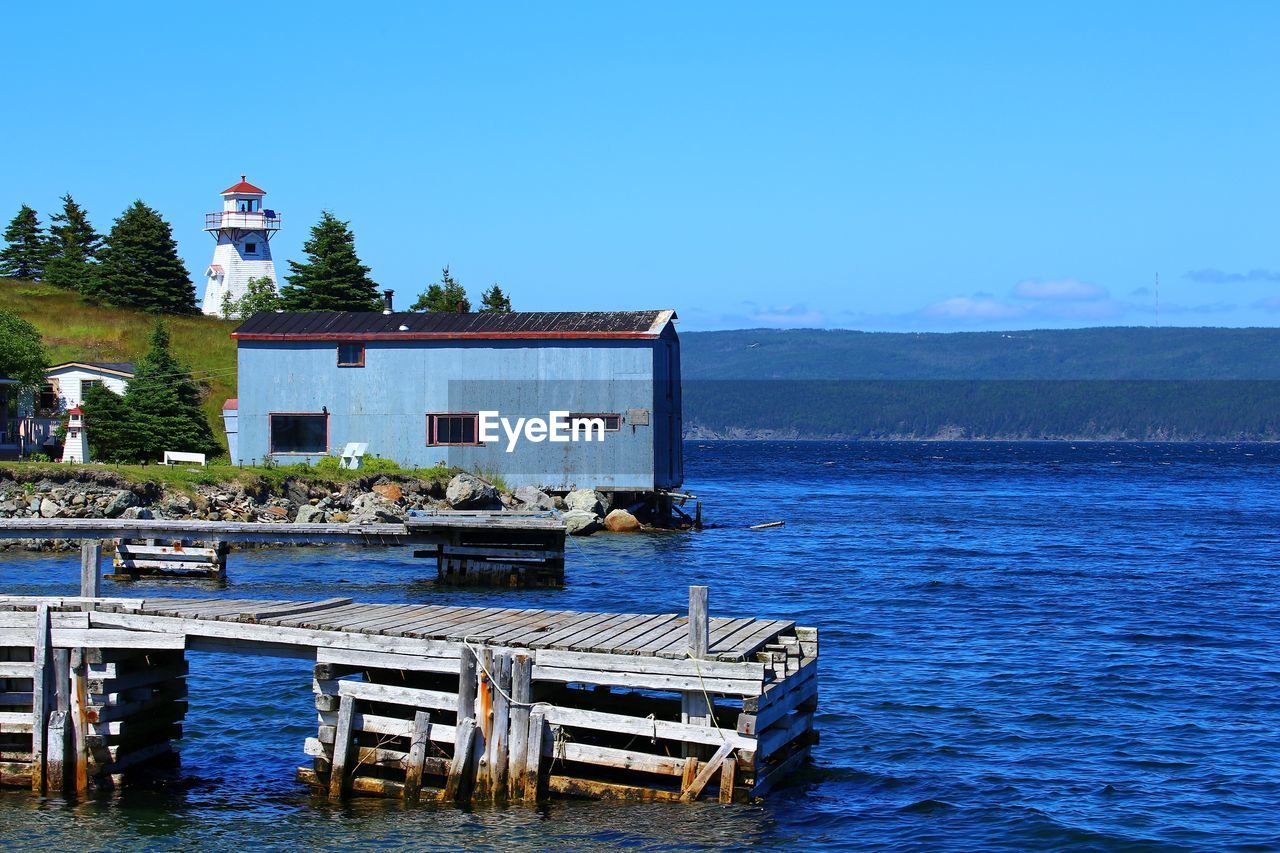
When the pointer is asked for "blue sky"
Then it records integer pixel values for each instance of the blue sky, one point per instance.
(892, 166)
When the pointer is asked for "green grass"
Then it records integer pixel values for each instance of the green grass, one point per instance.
(182, 479)
(76, 330)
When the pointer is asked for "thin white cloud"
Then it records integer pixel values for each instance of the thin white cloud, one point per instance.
(1067, 289)
(973, 308)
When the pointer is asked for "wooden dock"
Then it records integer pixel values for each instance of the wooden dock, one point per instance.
(519, 549)
(424, 701)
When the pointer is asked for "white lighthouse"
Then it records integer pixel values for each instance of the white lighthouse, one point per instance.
(243, 229)
(75, 448)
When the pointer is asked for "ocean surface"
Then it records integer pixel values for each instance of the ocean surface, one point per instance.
(1024, 646)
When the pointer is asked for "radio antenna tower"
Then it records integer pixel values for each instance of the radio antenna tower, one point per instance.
(1157, 300)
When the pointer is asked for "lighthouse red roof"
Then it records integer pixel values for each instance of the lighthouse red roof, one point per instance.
(76, 411)
(243, 187)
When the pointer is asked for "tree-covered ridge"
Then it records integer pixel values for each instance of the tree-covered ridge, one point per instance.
(1098, 353)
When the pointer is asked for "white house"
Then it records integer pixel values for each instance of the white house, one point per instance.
(64, 389)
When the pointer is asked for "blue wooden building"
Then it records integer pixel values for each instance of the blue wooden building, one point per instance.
(423, 388)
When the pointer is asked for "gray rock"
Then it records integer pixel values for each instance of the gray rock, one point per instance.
(372, 508)
(124, 499)
(532, 497)
(308, 514)
(580, 523)
(49, 509)
(137, 512)
(467, 491)
(585, 500)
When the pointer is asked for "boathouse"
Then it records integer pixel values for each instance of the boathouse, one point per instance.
(416, 387)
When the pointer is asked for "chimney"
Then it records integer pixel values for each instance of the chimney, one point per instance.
(386, 301)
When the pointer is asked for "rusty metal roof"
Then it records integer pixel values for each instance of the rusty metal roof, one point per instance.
(408, 325)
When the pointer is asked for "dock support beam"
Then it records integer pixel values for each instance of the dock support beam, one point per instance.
(90, 568)
(694, 707)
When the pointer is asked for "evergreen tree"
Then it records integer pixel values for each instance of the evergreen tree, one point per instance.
(260, 295)
(73, 247)
(163, 404)
(22, 353)
(113, 436)
(140, 267)
(445, 295)
(24, 254)
(494, 301)
(332, 278)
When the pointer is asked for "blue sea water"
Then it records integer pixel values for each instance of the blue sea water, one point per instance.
(1024, 646)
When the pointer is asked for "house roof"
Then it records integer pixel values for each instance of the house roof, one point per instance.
(120, 368)
(243, 188)
(410, 326)
(231, 405)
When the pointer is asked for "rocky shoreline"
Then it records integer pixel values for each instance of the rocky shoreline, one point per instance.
(375, 499)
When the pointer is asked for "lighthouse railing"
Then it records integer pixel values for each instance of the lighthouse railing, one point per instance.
(256, 221)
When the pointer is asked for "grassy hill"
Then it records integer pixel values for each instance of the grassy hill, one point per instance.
(75, 330)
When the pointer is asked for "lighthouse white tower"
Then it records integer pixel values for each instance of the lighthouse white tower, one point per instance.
(243, 229)
(75, 448)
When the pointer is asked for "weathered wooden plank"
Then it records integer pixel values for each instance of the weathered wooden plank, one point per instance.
(341, 748)
(294, 609)
(57, 752)
(642, 726)
(41, 677)
(458, 785)
(16, 669)
(782, 733)
(26, 620)
(705, 774)
(745, 671)
(647, 681)
(770, 777)
(416, 757)
(90, 568)
(70, 638)
(521, 699)
(569, 629)
(533, 786)
(498, 741)
(384, 660)
(569, 787)
(728, 773)
(413, 697)
(618, 759)
(468, 683)
(16, 722)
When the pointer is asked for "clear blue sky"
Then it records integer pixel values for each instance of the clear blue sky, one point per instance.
(888, 166)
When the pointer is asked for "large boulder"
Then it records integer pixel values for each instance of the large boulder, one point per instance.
(50, 509)
(585, 500)
(122, 500)
(309, 514)
(467, 491)
(390, 491)
(621, 521)
(531, 497)
(373, 508)
(580, 523)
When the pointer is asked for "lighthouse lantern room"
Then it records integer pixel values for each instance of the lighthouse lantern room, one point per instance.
(243, 230)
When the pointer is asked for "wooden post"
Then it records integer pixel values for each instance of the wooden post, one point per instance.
(727, 776)
(467, 684)
(691, 792)
(499, 729)
(522, 696)
(56, 757)
(484, 724)
(40, 696)
(79, 720)
(458, 787)
(533, 782)
(90, 568)
(341, 748)
(62, 679)
(694, 707)
(417, 756)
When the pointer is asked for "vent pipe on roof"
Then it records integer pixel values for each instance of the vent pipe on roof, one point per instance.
(386, 301)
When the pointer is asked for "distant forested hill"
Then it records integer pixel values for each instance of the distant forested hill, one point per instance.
(1104, 383)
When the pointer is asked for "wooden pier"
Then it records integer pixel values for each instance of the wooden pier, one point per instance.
(518, 549)
(424, 702)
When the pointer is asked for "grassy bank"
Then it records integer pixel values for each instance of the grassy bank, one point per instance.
(186, 480)
(75, 330)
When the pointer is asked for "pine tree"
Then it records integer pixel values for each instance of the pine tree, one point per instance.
(332, 278)
(163, 402)
(494, 301)
(446, 295)
(24, 254)
(73, 247)
(113, 436)
(140, 267)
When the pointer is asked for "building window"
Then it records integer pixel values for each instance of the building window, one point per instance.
(299, 433)
(350, 355)
(453, 429)
(86, 384)
(49, 403)
(612, 422)
(251, 248)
